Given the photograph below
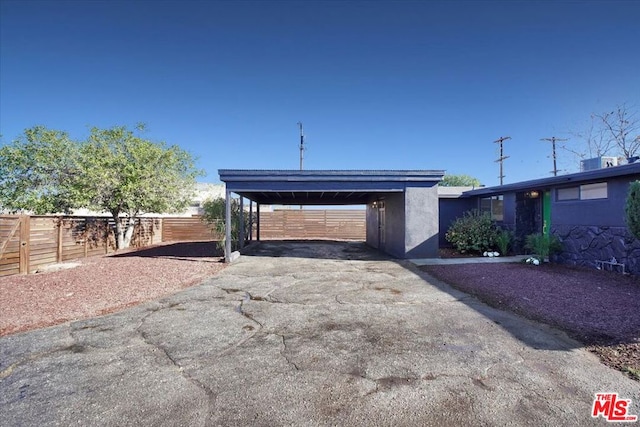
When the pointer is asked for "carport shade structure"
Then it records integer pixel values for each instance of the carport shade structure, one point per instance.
(402, 205)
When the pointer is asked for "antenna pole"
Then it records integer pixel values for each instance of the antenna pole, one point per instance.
(553, 140)
(301, 145)
(502, 157)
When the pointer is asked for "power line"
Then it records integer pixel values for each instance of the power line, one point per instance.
(502, 156)
(553, 140)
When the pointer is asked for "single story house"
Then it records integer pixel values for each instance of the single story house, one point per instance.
(585, 210)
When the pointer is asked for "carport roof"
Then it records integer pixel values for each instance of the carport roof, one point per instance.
(323, 187)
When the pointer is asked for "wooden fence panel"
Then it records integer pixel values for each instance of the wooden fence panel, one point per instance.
(28, 243)
(10, 232)
(313, 224)
(186, 229)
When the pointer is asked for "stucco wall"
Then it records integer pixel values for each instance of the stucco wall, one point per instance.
(607, 212)
(395, 225)
(421, 222)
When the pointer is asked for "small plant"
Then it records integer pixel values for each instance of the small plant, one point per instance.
(543, 245)
(503, 240)
(474, 232)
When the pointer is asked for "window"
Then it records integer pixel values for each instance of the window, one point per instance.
(593, 191)
(583, 192)
(571, 193)
(493, 206)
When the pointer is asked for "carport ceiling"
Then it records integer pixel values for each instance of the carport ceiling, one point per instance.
(323, 187)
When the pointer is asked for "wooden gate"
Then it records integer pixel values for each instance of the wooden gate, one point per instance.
(14, 244)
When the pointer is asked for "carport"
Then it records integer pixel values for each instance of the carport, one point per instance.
(402, 205)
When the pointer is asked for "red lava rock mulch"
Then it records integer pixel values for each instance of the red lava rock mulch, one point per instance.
(600, 309)
(102, 285)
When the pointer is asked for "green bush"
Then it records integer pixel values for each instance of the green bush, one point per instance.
(543, 245)
(632, 209)
(503, 241)
(474, 232)
(215, 216)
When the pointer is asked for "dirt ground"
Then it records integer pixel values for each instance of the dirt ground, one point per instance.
(598, 308)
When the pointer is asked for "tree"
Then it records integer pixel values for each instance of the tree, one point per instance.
(622, 128)
(615, 133)
(632, 209)
(215, 215)
(37, 172)
(128, 176)
(459, 181)
(114, 171)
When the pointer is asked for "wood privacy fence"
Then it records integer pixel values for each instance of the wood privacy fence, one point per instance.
(29, 243)
(313, 224)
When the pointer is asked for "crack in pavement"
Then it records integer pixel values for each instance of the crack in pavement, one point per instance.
(209, 393)
(284, 350)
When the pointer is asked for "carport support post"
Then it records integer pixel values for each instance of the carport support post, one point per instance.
(250, 219)
(241, 229)
(257, 221)
(227, 227)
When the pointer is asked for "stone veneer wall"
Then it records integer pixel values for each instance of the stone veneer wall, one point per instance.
(583, 245)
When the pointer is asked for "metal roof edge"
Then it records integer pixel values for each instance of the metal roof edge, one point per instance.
(612, 172)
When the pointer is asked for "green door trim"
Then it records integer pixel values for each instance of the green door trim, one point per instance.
(546, 213)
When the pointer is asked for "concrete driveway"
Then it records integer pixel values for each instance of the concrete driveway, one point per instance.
(304, 334)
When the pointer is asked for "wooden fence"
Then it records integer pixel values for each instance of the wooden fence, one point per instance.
(28, 243)
(313, 224)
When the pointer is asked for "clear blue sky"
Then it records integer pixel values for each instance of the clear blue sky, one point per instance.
(378, 85)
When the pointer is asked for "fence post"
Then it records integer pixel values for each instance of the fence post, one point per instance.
(59, 249)
(25, 231)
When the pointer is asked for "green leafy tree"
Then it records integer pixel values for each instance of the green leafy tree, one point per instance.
(215, 215)
(114, 171)
(632, 209)
(38, 170)
(128, 176)
(459, 181)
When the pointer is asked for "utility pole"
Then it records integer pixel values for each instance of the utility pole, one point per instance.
(502, 157)
(301, 145)
(301, 148)
(553, 140)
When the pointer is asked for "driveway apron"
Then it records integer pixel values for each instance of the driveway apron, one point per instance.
(311, 334)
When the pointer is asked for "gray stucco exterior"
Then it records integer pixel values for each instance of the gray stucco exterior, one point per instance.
(402, 206)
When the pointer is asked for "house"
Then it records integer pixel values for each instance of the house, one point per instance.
(585, 210)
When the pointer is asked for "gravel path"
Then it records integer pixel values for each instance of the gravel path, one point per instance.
(600, 309)
(102, 285)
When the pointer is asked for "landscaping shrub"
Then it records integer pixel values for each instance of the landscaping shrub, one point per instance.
(503, 241)
(543, 245)
(474, 232)
(632, 209)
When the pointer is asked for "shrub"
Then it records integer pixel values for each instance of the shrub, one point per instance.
(215, 215)
(503, 241)
(474, 232)
(632, 209)
(543, 245)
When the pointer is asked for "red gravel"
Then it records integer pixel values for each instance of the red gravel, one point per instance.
(102, 285)
(600, 309)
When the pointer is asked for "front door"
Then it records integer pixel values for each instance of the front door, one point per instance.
(381, 225)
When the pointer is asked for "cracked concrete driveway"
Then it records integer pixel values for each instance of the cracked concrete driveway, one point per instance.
(304, 333)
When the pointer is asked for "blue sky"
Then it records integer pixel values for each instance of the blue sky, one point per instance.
(378, 85)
